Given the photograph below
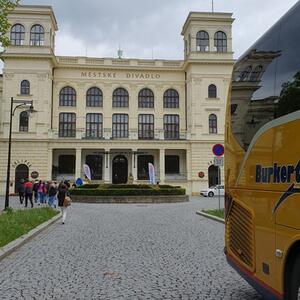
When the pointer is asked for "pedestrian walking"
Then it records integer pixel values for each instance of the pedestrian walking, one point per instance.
(52, 191)
(61, 196)
(28, 193)
(42, 192)
(21, 190)
(35, 191)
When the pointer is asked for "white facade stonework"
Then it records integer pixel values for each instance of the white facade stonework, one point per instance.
(42, 146)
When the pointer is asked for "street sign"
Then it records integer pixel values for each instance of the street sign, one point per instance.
(201, 174)
(219, 161)
(218, 149)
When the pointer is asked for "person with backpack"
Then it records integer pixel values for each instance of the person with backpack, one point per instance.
(28, 193)
(52, 191)
(63, 200)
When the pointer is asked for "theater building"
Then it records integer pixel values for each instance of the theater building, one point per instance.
(114, 114)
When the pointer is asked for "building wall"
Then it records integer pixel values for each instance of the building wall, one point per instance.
(40, 147)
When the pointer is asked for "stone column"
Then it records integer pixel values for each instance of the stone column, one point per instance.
(106, 167)
(50, 163)
(188, 165)
(134, 165)
(162, 166)
(78, 165)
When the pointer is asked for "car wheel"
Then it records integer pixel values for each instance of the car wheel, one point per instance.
(211, 194)
(294, 288)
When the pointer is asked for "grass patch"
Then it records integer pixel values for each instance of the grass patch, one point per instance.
(14, 224)
(215, 212)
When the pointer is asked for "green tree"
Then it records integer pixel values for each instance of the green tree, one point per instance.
(6, 7)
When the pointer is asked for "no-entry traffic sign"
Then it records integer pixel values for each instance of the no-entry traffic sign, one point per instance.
(218, 149)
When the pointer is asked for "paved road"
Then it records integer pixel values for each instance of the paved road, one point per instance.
(125, 252)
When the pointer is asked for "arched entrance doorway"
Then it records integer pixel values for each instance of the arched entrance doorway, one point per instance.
(120, 169)
(213, 175)
(22, 172)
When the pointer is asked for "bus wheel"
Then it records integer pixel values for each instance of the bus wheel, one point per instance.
(295, 282)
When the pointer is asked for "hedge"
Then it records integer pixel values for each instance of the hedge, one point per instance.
(88, 186)
(128, 192)
(126, 186)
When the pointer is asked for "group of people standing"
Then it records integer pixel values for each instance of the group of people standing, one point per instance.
(44, 193)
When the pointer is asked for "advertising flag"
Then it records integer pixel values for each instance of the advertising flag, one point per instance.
(87, 172)
(151, 169)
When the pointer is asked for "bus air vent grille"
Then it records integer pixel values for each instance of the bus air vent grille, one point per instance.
(240, 233)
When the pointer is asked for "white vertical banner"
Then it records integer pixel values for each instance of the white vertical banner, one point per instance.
(87, 172)
(151, 169)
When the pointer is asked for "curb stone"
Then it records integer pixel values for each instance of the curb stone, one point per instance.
(22, 240)
(220, 220)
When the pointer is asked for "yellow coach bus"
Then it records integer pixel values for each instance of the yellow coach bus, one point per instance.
(262, 162)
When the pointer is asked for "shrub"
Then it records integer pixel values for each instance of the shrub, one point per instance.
(128, 192)
(88, 186)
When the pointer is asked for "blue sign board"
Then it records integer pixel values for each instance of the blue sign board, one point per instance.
(218, 149)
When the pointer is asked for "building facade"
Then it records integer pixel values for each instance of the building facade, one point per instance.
(114, 114)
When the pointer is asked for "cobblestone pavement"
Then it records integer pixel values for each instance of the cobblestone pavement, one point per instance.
(162, 251)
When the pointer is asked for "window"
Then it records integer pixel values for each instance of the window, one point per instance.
(171, 99)
(23, 124)
(95, 164)
(120, 126)
(172, 164)
(67, 96)
(213, 128)
(245, 74)
(171, 127)
(17, 35)
(94, 125)
(202, 41)
(67, 125)
(25, 87)
(256, 74)
(66, 164)
(94, 97)
(220, 41)
(143, 170)
(120, 98)
(37, 35)
(212, 91)
(146, 98)
(146, 127)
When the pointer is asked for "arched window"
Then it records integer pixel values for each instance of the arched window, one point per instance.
(23, 124)
(120, 98)
(245, 74)
(17, 34)
(25, 87)
(171, 99)
(94, 97)
(256, 74)
(221, 41)
(37, 35)
(213, 126)
(212, 91)
(202, 41)
(146, 98)
(67, 96)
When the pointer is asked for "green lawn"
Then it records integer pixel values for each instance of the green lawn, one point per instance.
(14, 224)
(215, 212)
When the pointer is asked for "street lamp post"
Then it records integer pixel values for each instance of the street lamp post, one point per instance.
(21, 103)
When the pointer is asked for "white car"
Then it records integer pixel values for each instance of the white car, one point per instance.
(213, 191)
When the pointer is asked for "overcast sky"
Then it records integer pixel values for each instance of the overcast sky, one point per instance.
(151, 28)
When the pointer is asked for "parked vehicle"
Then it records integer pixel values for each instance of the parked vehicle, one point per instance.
(213, 191)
